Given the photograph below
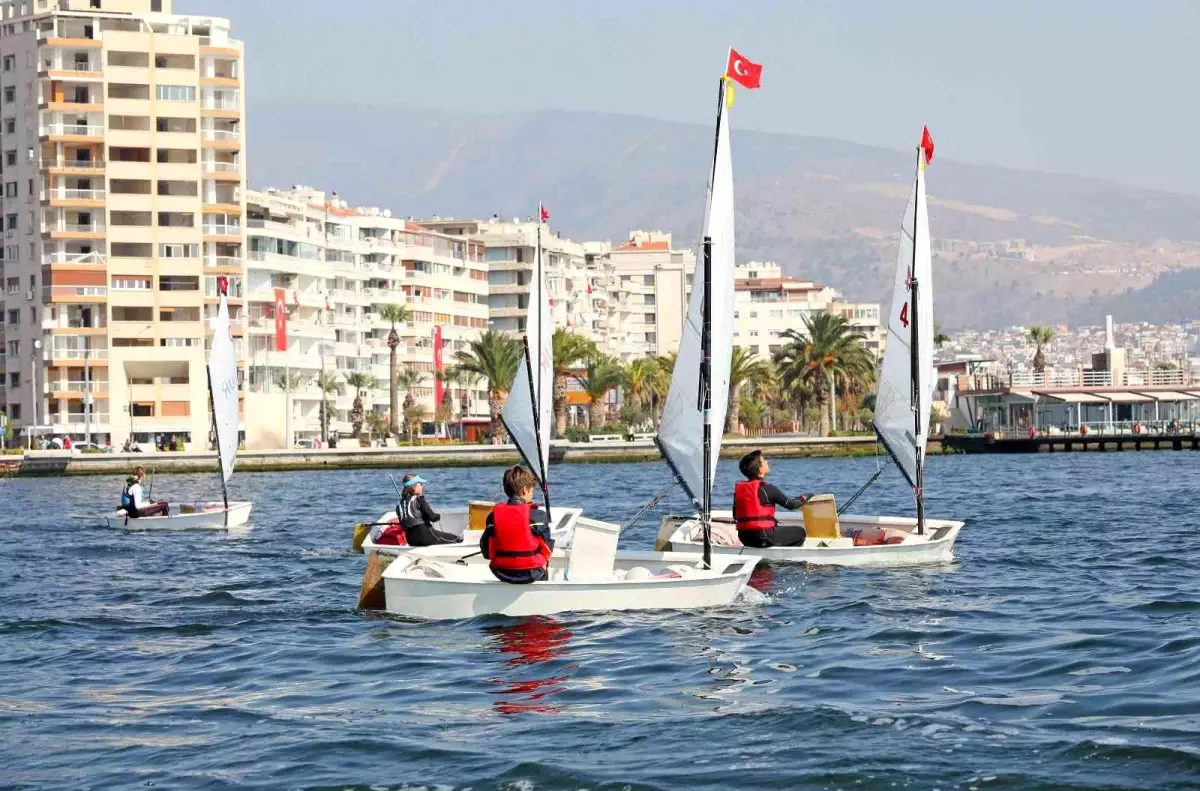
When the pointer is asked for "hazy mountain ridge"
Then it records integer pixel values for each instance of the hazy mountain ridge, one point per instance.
(826, 209)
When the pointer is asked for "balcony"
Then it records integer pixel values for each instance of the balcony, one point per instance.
(68, 230)
(222, 229)
(73, 353)
(220, 103)
(221, 135)
(74, 293)
(86, 165)
(95, 131)
(77, 259)
(222, 261)
(64, 195)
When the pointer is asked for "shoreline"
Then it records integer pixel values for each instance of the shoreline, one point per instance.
(64, 463)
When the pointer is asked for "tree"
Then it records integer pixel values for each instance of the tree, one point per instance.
(327, 383)
(377, 424)
(745, 367)
(1039, 337)
(827, 350)
(493, 357)
(601, 374)
(394, 314)
(360, 381)
(408, 381)
(414, 416)
(287, 382)
(940, 338)
(570, 348)
(646, 383)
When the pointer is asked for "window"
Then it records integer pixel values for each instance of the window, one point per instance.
(184, 188)
(129, 123)
(10, 62)
(10, 157)
(14, 379)
(128, 90)
(10, 189)
(178, 283)
(10, 126)
(651, 337)
(14, 317)
(137, 60)
(183, 125)
(180, 342)
(95, 3)
(11, 222)
(649, 299)
(176, 93)
(131, 250)
(177, 156)
(175, 219)
(14, 348)
(174, 62)
(648, 318)
(131, 283)
(33, 316)
(14, 411)
(179, 251)
(10, 95)
(648, 280)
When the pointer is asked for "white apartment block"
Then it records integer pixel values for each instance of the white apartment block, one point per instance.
(336, 266)
(767, 304)
(649, 284)
(574, 272)
(121, 129)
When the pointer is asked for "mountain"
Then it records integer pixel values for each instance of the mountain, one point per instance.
(1027, 247)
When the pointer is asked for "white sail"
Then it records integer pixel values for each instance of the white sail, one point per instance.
(680, 434)
(525, 401)
(222, 379)
(896, 421)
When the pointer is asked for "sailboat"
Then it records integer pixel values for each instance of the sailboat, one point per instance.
(591, 575)
(223, 401)
(903, 402)
(527, 416)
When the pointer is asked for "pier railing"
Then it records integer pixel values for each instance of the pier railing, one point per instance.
(1087, 378)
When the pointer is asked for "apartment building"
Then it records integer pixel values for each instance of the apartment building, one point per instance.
(574, 271)
(767, 304)
(123, 177)
(649, 283)
(331, 267)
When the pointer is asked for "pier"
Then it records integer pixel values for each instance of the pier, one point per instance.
(1046, 442)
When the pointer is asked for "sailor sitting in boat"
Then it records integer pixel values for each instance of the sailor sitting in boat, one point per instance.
(754, 502)
(517, 538)
(417, 518)
(133, 499)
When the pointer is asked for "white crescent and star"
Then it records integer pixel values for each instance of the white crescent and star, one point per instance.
(738, 68)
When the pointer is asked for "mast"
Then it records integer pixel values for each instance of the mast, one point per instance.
(535, 391)
(706, 401)
(915, 358)
(217, 438)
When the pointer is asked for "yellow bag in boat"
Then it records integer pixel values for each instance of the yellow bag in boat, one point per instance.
(187, 509)
(477, 514)
(821, 517)
(360, 535)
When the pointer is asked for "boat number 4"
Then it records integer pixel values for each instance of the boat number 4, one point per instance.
(904, 316)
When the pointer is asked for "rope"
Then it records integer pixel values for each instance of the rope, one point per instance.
(879, 467)
(653, 502)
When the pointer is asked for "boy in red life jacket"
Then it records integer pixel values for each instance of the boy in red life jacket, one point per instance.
(516, 538)
(754, 502)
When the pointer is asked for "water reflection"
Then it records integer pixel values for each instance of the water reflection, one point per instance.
(531, 642)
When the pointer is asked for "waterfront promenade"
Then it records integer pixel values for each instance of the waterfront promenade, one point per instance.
(59, 462)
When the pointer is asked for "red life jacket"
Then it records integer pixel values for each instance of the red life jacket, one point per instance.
(513, 546)
(748, 510)
(393, 535)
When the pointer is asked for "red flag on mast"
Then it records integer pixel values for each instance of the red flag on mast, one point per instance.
(743, 71)
(543, 213)
(927, 144)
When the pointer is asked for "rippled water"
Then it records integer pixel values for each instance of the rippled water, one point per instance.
(1061, 651)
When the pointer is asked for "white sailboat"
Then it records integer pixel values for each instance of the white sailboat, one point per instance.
(901, 422)
(223, 399)
(591, 575)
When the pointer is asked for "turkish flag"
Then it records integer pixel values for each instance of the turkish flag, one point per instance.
(927, 144)
(744, 72)
(280, 321)
(439, 388)
(543, 213)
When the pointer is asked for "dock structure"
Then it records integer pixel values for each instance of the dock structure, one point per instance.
(998, 442)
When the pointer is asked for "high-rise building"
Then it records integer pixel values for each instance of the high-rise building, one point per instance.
(332, 267)
(121, 131)
(651, 284)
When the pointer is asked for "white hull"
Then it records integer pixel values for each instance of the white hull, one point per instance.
(428, 583)
(455, 521)
(681, 534)
(207, 516)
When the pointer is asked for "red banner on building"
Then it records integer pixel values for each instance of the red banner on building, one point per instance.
(439, 389)
(280, 320)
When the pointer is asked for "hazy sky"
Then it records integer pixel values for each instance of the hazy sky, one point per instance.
(1105, 88)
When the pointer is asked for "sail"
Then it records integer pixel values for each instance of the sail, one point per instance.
(680, 434)
(895, 397)
(526, 400)
(223, 383)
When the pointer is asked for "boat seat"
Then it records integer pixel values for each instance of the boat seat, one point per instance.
(821, 517)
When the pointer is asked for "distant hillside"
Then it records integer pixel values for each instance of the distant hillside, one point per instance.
(826, 209)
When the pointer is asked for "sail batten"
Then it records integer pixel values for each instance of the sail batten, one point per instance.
(223, 384)
(528, 411)
(680, 433)
(901, 390)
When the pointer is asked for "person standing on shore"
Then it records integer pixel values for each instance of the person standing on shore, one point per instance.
(133, 498)
(754, 503)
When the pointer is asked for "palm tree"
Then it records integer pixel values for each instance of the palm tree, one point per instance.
(408, 381)
(645, 382)
(327, 383)
(360, 381)
(940, 338)
(601, 374)
(745, 367)
(1039, 337)
(494, 357)
(287, 382)
(395, 314)
(827, 351)
(569, 349)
